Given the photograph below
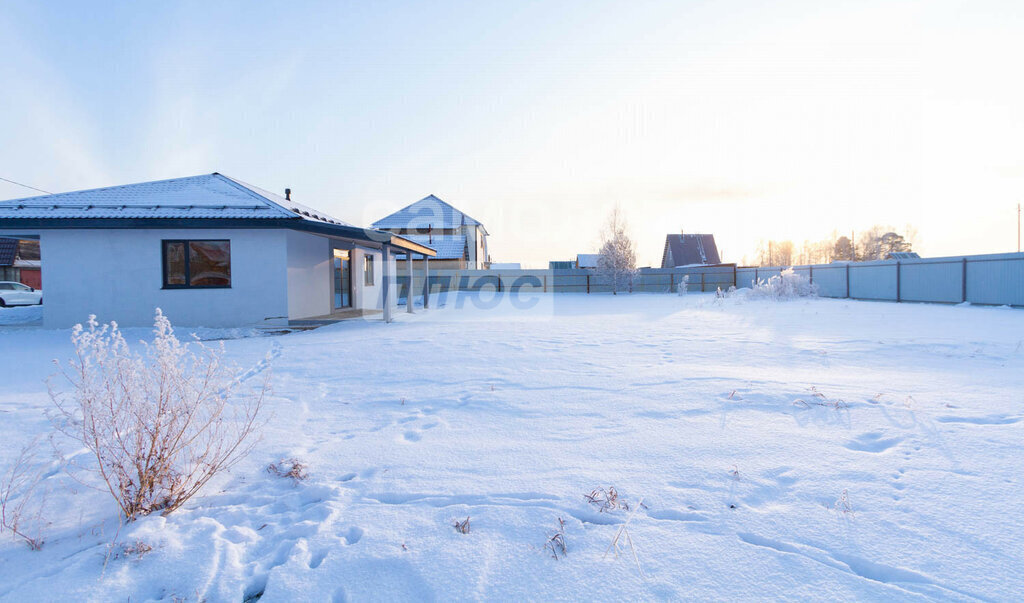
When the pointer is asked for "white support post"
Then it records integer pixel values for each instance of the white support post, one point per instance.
(386, 284)
(409, 296)
(426, 282)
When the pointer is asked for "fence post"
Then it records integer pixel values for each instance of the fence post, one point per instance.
(755, 276)
(499, 283)
(811, 270)
(734, 283)
(671, 282)
(898, 271)
(847, 281)
(588, 282)
(963, 280)
(545, 283)
(702, 282)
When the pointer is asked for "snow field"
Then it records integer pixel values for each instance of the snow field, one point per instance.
(739, 423)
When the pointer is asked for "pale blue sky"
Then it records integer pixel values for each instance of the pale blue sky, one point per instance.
(745, 119)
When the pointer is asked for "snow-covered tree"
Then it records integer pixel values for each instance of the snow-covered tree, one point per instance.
(617, 258)
(843, 250)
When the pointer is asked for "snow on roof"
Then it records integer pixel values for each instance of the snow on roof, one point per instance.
(206, 196)
(448, 247)
(430, 211)
(587, 260)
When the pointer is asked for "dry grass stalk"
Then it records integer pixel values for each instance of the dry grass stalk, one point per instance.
(293, 469)
(843, 504)
(606, 500)
(137, 549)
(623, 531)
(159, 425)
(462, 527)
(556, 543)
(21, 502)
(819, 399)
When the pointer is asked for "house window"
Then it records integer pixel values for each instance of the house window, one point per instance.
(197, 264)
(368, 270)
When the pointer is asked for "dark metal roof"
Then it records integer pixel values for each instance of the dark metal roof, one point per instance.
(689, 249)
(8, 250)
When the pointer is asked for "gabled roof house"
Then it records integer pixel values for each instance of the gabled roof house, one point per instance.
(460, 241)
(208, 250)
(689, 249)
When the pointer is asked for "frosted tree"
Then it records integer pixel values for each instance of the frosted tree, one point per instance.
(617, 258)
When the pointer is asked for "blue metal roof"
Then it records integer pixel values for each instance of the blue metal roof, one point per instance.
(448, 247)
(428, 212)
(206, 196)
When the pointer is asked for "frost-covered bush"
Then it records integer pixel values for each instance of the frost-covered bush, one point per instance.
(684, 285)
(158, 424)
(788, 285)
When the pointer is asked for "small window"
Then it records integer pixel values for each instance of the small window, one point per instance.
(368, 270)
(197, 264)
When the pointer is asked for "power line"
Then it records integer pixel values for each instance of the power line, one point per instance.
(25, 185)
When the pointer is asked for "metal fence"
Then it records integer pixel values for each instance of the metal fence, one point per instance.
(981, 279)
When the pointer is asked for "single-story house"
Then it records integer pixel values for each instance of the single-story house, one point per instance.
(587, 260)
(208, 250)
(689, 250)
(459, 240)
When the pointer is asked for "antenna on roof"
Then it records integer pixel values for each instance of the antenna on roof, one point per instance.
(287, 194)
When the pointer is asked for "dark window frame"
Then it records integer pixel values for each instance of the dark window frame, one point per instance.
(369, 273)
(188, 273)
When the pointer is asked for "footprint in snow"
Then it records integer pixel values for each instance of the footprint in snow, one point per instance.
(873, 442)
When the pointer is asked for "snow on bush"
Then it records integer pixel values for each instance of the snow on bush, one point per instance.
(159, 424)
(684, 284)
(788, 285)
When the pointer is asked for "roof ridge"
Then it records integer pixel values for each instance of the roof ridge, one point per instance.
(245, 188)
(107, 188)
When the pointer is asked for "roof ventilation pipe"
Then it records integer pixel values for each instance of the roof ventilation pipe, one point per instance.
(287, 194)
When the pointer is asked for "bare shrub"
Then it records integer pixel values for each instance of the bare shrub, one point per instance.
(556, 543)
(22, 498)
(606, 500)
(294, 469)
(159, 424)
(462, 527)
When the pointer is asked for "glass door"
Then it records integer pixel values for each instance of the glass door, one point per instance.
(342, 280)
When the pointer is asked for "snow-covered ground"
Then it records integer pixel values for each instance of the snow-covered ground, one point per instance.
(21, 315)
(740, 424)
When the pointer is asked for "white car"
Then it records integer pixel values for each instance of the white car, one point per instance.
(16, 294)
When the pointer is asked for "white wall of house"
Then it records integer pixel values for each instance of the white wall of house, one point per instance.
(367, 297)
(117, 274)
(310, 278)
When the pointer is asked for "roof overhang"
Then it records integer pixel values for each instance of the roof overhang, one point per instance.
(366, 236)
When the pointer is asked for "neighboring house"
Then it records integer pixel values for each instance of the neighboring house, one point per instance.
(561, 264)
(208, 250)
(587, 260)
(689, 249)
(19, 261)
(460, 241)
(902, 255)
